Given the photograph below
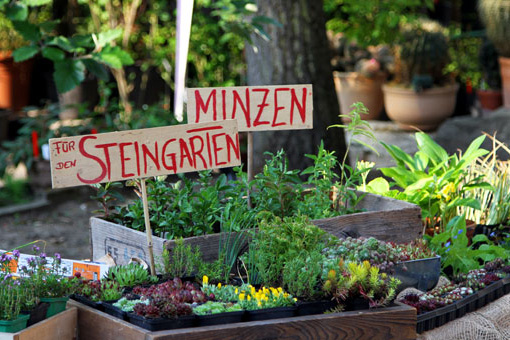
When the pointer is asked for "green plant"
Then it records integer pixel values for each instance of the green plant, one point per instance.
(252, 299)
(422, 55)
(14, 191)
(182, 260)
(452, 246)
(9, 38)
(130, 275)
(432, 179)
(106, 195)
(348, 280)
(489, 64)
(301, 275)
(372, 22)
(494, 15)
(280, 240)
(211, 307)
(127, 305)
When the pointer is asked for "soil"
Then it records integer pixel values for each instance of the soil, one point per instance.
(63, 225)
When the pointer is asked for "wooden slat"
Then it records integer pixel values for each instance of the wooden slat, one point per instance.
(95, 325)
(61, 326)
(395, 323)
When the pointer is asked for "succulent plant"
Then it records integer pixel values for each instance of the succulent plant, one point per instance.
(130, 275)
(422, 55)
(495, 15)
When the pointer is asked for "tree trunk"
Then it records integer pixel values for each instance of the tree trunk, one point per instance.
(297, 53)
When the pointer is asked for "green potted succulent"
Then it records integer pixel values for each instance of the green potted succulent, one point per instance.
(495, 15)
(421, 95)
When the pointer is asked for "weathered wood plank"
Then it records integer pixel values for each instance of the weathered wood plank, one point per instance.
(395, 323)
(385, 218)
(61, 326)
(256, 108)
(94, 325)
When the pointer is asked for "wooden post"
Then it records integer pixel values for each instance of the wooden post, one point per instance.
(148, 229)
(249, 166)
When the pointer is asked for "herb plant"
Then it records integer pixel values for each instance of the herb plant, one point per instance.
(130, 275)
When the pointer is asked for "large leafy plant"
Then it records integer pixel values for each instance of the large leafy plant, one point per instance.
(432, 179)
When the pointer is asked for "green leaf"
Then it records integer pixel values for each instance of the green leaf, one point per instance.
(24, 53)
(114, 57)
(104, 38)
(27, 30)
(378, 185)
(433, 150)
(34, 3)
(68, 74)
(52, 53)
(16, 12)
(48, 26)
(96, 68)
(63, 43)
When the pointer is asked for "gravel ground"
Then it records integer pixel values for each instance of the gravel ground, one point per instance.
(64, 225)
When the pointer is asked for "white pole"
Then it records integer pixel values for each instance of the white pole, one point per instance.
(184, 14)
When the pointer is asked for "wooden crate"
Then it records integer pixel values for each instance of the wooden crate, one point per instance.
(384, 218)
(395, 323)
(61, 326)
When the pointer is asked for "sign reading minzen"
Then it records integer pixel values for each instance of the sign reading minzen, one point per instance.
(257, 108)
(124, 155)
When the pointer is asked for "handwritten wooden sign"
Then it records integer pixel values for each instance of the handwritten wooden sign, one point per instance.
(257, 108)
(124, 155)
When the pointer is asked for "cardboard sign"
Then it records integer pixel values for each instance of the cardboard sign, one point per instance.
(257, 108)
(88, 270)
(124, 155)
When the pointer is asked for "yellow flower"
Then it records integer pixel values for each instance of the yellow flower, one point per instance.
(205, 280)
(259, 304)
(241, 297)
(249, 298)
(280, 289)
(295, 300)
(219, 284)
(236, 291)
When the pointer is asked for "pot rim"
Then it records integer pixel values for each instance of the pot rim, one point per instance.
(434, 90)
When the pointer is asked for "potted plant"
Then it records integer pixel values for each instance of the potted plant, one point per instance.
(365, 24)
(495, 15)
(359, 75)
(421, 95)
(15, 80)
(489, 92)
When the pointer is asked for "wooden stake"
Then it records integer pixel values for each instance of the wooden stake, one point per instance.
(250, 165)
(148, 229)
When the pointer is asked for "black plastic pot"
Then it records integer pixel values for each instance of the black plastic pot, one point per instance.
(426, 321)
(466, 305)
(314, 307)
(219, 318)
(88, 302)
(269, 313)
(421, 274)
(446, 314)
(160, 324)
(109, 308)
(506, 285)
(357, 303)
(488, 294)
(38, 313)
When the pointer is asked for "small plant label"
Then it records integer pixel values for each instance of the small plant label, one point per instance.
(257, 108)
(125, 155)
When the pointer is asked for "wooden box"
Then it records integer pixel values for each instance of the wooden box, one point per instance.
(395, 323)
(384, 218)
(61, 326)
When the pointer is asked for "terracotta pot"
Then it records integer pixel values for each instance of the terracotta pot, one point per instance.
(504, 65)
(424, 110)
(490, 99)
(352, 87)
(14, 82)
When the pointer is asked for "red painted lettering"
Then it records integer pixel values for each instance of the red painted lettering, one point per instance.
(244, 106)
(261, 107)
(278, 108)
(301, 108)
(172, 167)
(224, 103)
(209, 149)
(204, 107)
(155, 158)
(107, 155)
(81, 149)
(137, 153)
(197, 152)
(216, 149)
(233, 144)
(185, 153)
(123, 160)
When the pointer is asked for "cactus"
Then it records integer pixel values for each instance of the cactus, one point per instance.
(488, 58)
(495, 15)
(422, 55)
